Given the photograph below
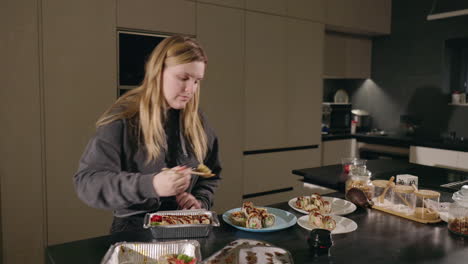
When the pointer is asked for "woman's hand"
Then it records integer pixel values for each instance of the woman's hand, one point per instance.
(172, 182)
(188, 201)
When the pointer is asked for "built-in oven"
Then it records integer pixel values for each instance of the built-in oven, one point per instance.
(376, 151)
(336, 117)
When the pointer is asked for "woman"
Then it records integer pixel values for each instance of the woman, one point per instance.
(155, 126)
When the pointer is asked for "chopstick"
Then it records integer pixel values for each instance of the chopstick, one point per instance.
(203, 174)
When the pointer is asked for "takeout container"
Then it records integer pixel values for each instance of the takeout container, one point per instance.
(182, 230)
(135, 253)
(458, 212)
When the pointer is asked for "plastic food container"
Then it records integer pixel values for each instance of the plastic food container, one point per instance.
(247, 250)
(404, 200)
(182, 230)
(126, 253)
(458, 212)
(381, 199)
(427, 204)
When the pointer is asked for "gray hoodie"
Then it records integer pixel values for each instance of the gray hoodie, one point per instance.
(113, 173)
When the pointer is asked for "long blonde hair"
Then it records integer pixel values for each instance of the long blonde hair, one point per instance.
(148, 102)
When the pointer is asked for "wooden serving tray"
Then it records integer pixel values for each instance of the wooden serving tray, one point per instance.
(410, 217)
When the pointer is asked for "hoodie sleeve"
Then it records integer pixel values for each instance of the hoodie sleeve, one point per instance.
(100, 182)
(205, 188)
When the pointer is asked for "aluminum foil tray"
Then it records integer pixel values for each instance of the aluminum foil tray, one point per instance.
(148, 253)
(247, 251)
(185, 230)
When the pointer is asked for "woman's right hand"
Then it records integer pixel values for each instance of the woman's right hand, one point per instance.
(172, 182)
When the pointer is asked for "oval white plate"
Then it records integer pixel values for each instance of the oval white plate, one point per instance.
(338, 206)
(343, 224)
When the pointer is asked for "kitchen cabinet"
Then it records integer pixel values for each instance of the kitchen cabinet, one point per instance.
(347, 56)
(370, 17)
(277, 7)
(439, 157)
(304, 64)
(175, 16)
(306, 9)
(265, 81)
(272, 171)
(75, 95)
(283, 87)
(22, 169)
(221, 29)
(227, 3)
(334, 150)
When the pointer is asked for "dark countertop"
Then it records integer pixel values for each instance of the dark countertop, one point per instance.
(397, 140)
(380, 238)
(429, 177)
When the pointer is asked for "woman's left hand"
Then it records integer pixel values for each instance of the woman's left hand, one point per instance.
(187, 201)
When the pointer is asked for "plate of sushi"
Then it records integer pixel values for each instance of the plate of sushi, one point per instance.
(325, 205)
(335, 223)
(259, 219)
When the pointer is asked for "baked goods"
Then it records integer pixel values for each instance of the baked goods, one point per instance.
(315, 202)
(252, 217)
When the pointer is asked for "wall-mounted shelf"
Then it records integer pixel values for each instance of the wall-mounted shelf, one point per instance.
(465, 104)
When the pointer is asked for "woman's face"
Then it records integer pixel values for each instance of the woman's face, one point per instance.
(180, 82)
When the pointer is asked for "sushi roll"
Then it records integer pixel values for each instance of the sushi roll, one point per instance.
(329, 223)
(311, 207)
(247, 207)
(254, 221)
(315, 218)
(238, 218)
(302, 202)
(318, 201)
(315, 196)
(326, 207)
(268, 220)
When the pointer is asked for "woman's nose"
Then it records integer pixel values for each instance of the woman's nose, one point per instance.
(190, 86)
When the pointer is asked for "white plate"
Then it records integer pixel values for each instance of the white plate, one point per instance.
(341, 96)
(343, 224)
(338, 206)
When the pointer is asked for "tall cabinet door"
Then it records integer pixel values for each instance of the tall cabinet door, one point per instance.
(265, 81)
(221, 32)
(304, 82)
(80, 83)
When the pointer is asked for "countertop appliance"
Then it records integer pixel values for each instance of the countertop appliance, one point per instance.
(363, 120)
(336, 117)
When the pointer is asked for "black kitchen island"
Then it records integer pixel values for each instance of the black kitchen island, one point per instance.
(380, 238)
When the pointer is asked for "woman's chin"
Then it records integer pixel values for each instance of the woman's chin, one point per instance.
(178, 105)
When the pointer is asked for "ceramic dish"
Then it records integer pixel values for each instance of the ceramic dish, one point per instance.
(338, 206)
(343, 224)
(283, 220)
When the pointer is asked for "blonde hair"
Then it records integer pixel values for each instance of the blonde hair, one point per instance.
(148, 101)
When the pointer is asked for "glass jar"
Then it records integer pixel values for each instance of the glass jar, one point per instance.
(403, 200)
(427, 204)
(360, 182)
(381, 199)
(349, 164)
(458, 212)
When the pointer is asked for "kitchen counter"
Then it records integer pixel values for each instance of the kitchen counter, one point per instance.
(403, 141)
(429, 177)
(380, 238)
